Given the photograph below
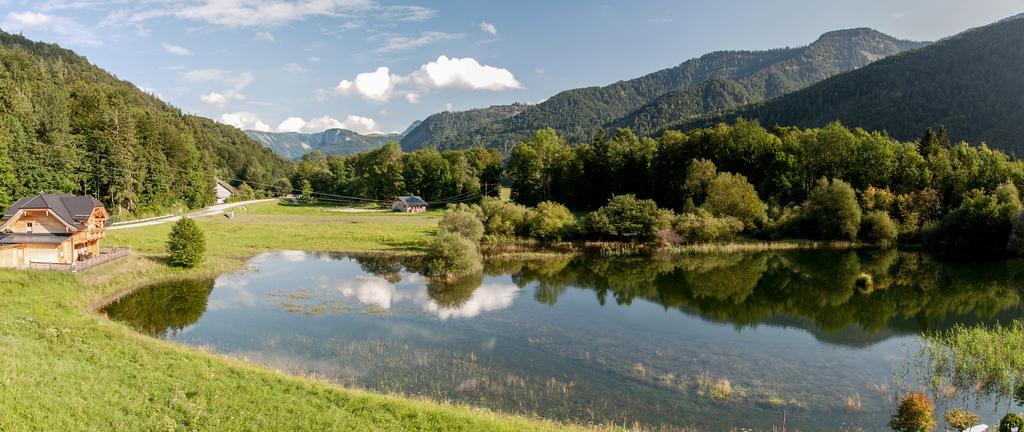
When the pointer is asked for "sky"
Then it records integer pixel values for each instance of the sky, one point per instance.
(377, 66)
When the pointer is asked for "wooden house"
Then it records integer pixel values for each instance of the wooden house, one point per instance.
(52, 229)
(409, 204)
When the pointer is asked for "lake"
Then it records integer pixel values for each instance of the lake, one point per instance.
(708, 340)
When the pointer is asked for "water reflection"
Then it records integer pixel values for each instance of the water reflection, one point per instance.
(638, 339)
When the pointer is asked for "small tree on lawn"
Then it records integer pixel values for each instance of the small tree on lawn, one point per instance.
(186, 244)
(307, 193)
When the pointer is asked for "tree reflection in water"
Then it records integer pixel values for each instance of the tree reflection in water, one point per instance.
(164, 309)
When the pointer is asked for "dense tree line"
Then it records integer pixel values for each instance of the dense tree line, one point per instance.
(384, 173)
(830, 183)
(68, 126)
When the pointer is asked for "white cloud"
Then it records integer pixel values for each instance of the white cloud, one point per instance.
(488, 28)
(353, 123)
(295, 68)
(244, 121)
(264, 13)
(464, 73)
(459, 73)
(265, 36)
(393, 42)
(68, 30)
(374, 86)
(359, 124)
(291, 124)
(176, 49)
(215, 99)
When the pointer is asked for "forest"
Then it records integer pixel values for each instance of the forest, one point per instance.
(68, 126)
(829, 183)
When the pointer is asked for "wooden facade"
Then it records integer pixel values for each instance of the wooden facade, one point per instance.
(52, 229)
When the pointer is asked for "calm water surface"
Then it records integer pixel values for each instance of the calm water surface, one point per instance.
(712, 340)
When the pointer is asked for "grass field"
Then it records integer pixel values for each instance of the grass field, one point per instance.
(65, 367)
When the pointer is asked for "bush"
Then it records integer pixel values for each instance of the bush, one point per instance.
(502, 218)
(1018, 394)
(832, 210)
(981, 226)
(451, 255)
(1010, 422)
(915, 414)
(624, 218)
(550, 221)
(959, 419)
(878, 227)
(703, 227)
(186, 244)
(732, 195)
(463, 223)
(244, 192)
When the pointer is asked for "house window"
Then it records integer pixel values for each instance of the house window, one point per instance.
(29, 227)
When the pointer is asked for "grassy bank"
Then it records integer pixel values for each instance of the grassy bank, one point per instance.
(65, 367)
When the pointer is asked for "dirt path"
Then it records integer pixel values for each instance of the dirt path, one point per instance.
(209, 211)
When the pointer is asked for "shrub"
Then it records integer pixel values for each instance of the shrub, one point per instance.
(1018, 394)
(463, 223)
(186, 244)
(732, 195)
(981, 226)
(915, 414)
(282, 187)
(960, 419)
(833, 211)
(306, 192)
(550, 221)
(502, 218)
(244, 192)
(699, 176)
(702, 227)
(625, 218)
(1010, 422)
(878, 227)
(450, 255)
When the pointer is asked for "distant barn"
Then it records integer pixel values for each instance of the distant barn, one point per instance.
(409, 204)
(224, 191)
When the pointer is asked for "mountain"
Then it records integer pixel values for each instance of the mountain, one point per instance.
(334, 142)
(712, 82)
(69, 126)
(971, 83)
(439, 129)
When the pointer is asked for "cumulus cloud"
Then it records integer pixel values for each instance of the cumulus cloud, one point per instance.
(215, 99)
(358, 124)
(374, 86)
(488, 28)
(176, 49)
(68, 30)
(245, 121)
(443, 73)
(232, 82)
(464, 73)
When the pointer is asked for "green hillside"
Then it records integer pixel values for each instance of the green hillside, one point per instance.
(439, 130)
(971, 83)
(716, 81)
(69, 126)
(331, 142)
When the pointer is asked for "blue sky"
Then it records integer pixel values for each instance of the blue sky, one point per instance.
(375, 65)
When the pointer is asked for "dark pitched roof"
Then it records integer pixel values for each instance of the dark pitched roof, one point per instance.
(72, 209)
(226, 185)
(33, 238)
(412, 200)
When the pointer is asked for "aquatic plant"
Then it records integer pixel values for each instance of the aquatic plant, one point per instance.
(914, 414)
(985, 361)
(961, 419)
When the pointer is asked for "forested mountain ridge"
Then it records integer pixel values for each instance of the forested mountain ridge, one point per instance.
(833, 53)
(331, 142)
(439, 129)
(68, 126)
(971, 83)
(715, 81)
